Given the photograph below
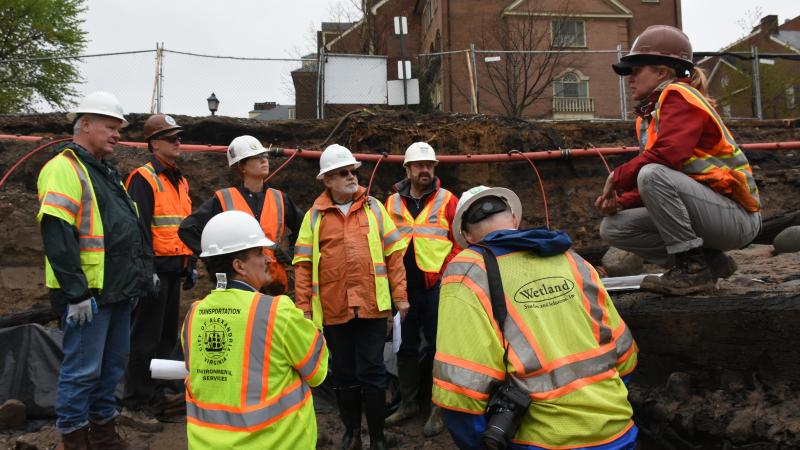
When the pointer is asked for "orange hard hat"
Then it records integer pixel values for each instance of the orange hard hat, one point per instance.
(658, 45)
(160, 125)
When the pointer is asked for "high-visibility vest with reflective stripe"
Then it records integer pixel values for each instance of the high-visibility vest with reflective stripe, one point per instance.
(170, 207)
(383, 239)
(272, 221)
(66, 192)
(429, 231)
(723, 168)
(568, 347)
(243, 389)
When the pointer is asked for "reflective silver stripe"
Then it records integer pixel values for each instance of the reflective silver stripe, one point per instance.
(87, 203)
(311, 365)
(435, 231)
(397, 206)
(378, 214)
(521, 346)
(592, 293)
(566, 374)
(152, 172)
(314, 289)
(380, 269)
(624, 342)
(248, 419)
(167, 221)
(62, 201)
(469, 270)
(696, 165)
(437, 206)
(278, 212)
(463, 377)
(314, 218)
(187, 343)
(227, 200)
(258, 342)
(91, 243)
(302, 250)
(393, 237)
(405, 229)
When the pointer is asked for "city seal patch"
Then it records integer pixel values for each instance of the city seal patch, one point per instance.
(215, 340)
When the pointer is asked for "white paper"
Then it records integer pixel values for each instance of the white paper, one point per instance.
(167, 369)
(396, 336)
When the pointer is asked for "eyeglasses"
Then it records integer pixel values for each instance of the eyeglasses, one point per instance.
(345, 172)
(171, 139)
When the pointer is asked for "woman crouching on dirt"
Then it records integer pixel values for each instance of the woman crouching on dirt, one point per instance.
(690, 194)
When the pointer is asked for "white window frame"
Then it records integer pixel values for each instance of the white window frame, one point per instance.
(582, 79)
(576, 44)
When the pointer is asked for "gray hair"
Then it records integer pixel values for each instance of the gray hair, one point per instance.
(76, 129)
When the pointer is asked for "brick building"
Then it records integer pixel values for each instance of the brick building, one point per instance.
(731, 78)
(574, 85)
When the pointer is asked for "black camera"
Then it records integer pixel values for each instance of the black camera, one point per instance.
(505, 410)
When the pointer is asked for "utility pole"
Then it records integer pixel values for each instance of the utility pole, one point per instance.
(756, 82)
(472, 52)
(158, 81)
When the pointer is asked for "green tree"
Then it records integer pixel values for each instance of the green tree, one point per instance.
(33, 29)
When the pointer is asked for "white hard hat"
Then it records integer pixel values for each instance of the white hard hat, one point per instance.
(469, 197)
(100, 103)
(230, 232)
(244, 147)
(419, 151)
(334, 157)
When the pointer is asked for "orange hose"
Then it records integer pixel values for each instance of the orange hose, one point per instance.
(541, 186)
(28, 155)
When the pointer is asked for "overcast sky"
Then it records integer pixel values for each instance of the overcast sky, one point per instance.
(274, 29)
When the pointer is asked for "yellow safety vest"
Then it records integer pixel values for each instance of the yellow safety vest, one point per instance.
(251, 359)
(66, 192)
(383, 239)
(429, 231)
(568, 347)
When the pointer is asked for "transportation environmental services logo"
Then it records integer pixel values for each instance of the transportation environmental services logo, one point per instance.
(545, 292)
(215, 340)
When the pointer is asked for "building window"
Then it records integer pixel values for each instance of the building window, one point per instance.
(790, 98)
(570, 85)
(569, 33)
(571, 94)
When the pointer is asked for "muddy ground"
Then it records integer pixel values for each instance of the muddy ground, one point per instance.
(701, 381)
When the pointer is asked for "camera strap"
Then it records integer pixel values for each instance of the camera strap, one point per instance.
(496, 293)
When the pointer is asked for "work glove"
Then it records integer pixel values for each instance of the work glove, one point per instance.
(156, 285)
(81, 313)
(190, 280)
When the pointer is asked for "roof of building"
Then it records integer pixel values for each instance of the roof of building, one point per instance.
(790, 37)
(276, 112)
(336, 26)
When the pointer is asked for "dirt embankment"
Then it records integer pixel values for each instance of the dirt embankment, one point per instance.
(720, 392)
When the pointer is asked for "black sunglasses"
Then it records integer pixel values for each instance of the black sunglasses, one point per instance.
(345, 172)
(172, 139)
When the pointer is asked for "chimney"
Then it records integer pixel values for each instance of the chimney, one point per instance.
(264, 106)
(769, 24)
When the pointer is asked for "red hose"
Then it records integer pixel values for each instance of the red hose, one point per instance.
(541, 186)
(291, 157)
(375, 169)
(603, 158)
(28, 155)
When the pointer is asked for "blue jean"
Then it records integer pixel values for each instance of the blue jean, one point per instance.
(95, 356)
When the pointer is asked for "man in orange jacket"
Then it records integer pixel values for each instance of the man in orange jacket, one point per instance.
(162, 194)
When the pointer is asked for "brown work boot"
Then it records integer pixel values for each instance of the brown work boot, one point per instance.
(690, 275)
(434, 425)
(77, 440)
(139, 420)
(722, 265)
(105, 437)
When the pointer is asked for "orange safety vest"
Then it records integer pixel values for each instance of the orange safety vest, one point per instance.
(429, 231)
(170, 207)
(272, 221)
(723, 168)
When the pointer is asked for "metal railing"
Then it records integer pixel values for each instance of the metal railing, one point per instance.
(573, 105)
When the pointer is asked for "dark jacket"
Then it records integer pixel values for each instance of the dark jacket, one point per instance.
(128, 259)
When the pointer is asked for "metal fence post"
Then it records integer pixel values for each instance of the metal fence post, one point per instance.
(623, 96)
(756, 82)
(321, 83)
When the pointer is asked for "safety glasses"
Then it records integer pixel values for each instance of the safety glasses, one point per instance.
(345, 172)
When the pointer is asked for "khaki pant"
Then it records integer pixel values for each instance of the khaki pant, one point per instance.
(680, 214)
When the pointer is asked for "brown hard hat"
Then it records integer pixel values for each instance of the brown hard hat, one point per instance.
(160, 125)
(658, 45)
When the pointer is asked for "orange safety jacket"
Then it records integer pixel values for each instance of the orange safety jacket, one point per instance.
(723, 168)
(170, 207)
(272, 221)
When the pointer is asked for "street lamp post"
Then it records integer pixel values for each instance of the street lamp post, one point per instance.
(213, 103)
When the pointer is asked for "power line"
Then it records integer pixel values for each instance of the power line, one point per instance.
(238, 57)
(51, 58)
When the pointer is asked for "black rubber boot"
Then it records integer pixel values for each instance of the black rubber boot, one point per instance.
(722, 265)
(349, 400)
(408, 379)
(690, 275)
(375, 409)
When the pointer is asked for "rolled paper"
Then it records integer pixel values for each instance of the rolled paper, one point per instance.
(167, 369)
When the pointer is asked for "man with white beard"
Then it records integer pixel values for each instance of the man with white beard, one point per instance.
(348, 271)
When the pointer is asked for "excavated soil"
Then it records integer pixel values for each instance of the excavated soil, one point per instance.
(718, 371)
